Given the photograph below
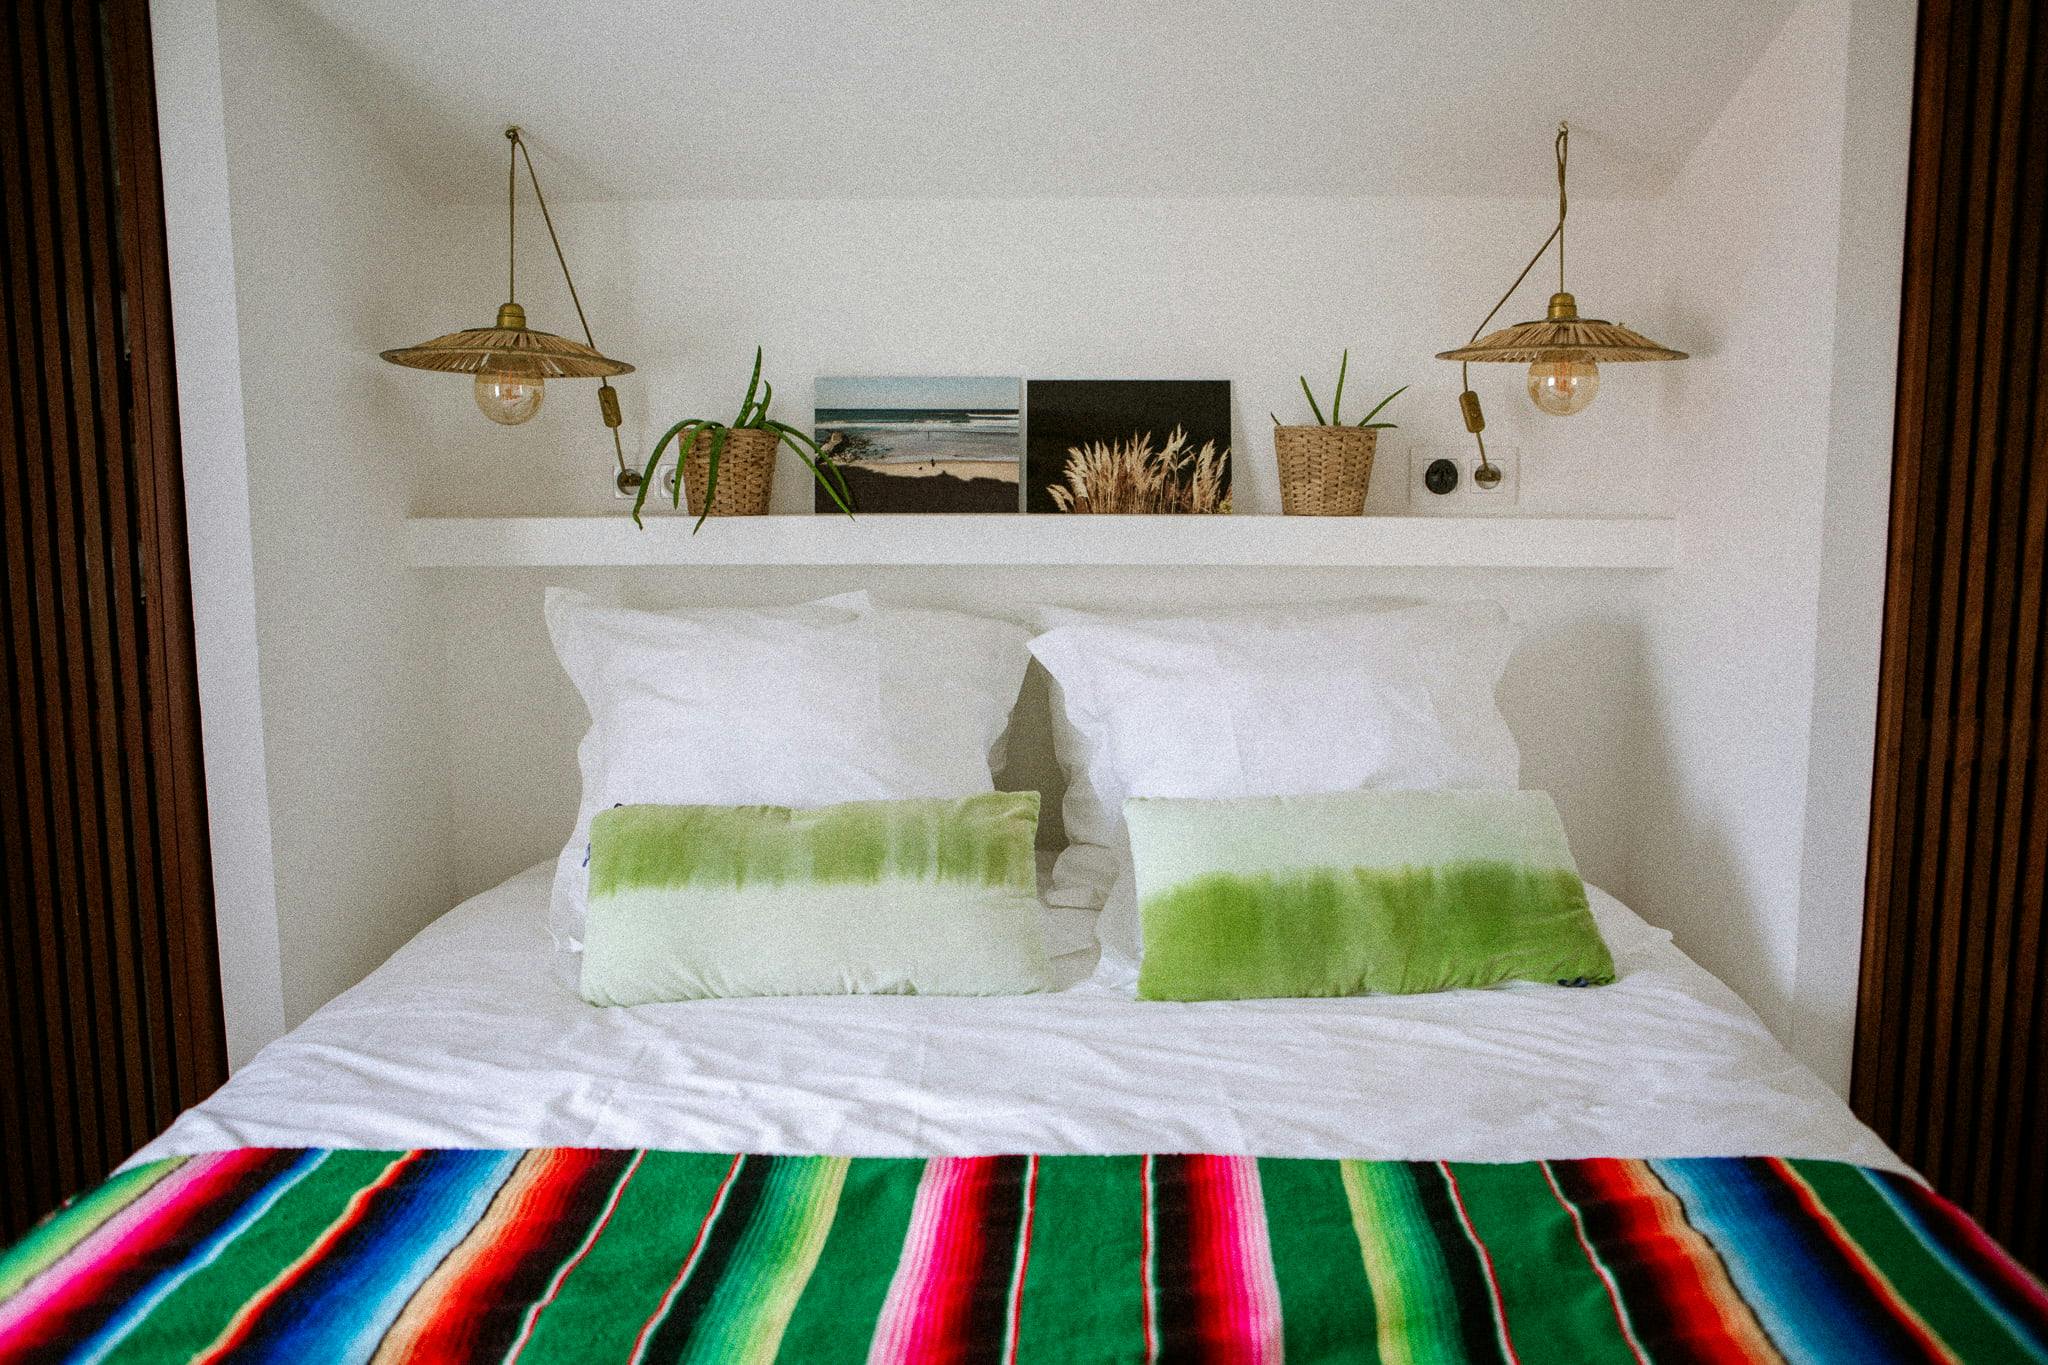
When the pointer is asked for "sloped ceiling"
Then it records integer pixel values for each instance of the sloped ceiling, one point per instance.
(886, 98)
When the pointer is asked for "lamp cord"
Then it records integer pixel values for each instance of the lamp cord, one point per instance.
(512, 179)
(1564, 137)
(512, 216)
(1564, 145)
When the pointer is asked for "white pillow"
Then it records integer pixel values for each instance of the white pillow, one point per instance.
(1285, 701)
(837, 700)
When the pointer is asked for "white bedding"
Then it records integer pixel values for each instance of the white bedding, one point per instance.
(473, 1035)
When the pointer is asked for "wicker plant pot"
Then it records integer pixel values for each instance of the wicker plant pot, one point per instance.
(1324, 470)
(746, 472)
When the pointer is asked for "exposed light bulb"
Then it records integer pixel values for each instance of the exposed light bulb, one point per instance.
(507, 399)
(1563, 387)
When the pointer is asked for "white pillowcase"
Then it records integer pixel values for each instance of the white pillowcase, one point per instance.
(836, 700)
(1285, 701)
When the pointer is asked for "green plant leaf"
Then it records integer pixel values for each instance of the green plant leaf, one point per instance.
(647, 475)
(1367, 419)
(844, 493)
(752, 384)
(718, 435)
(830, 482)
(787, 430)
(1337, 399)
(1274, 415)
(1312, 402)
(824, 471)
(683, 455)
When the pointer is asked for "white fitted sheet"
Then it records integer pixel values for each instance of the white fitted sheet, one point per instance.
(473, 1035)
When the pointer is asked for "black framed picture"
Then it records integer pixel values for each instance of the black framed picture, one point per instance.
(1127, 445)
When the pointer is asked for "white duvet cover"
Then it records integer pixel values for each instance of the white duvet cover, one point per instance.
(473, 1035)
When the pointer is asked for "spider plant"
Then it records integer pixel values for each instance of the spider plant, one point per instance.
(1336, 418)
(753, 416)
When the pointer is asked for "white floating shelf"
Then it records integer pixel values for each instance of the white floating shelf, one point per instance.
(956, 539)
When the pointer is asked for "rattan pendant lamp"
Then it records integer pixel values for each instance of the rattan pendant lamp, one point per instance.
(1563, 351)
(510, 360)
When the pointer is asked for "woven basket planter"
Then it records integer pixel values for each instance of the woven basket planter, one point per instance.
(746, 472)
(1324, 470)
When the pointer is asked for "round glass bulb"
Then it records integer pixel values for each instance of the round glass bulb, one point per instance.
(507, 399)
(1563, 387)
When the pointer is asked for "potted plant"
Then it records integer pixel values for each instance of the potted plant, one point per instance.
(729, 467)
(1324, 468)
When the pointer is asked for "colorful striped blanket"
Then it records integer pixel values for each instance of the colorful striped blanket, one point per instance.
(579, 1254)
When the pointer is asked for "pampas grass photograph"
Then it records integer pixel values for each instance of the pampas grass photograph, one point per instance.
(1133, 476)
(1127, 446)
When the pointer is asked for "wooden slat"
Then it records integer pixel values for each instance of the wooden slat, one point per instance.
(1951, 1062)
(109, 995)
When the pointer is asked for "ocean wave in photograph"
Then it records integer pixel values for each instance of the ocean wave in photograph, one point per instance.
(909, 435)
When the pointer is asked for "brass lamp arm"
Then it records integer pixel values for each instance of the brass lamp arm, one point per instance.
(1468, 401)
(607, 396)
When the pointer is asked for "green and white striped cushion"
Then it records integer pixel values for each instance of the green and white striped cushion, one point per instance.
(930, 897)
(1394, 892)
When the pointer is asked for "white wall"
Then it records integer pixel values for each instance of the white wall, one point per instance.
(1877, 128)
(192, 133)
(331, 258)
(1784, 282)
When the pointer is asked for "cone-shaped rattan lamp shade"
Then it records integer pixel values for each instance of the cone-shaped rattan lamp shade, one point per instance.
(1563, 338)
(511, 347)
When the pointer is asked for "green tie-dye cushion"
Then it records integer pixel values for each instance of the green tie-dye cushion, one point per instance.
(933, 897)
(1394, 892)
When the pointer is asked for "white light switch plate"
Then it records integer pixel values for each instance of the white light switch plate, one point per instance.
(1468, 498)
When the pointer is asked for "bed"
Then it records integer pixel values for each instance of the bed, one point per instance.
(459, 1159)
(473, 1036)
(1371, 1076)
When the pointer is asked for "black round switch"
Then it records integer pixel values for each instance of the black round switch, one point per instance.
(1441, 476)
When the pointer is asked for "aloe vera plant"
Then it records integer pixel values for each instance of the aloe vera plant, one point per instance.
(753, 416)
(1336, 417)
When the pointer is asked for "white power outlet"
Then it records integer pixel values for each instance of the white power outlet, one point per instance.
(1465, 498)
(663, 490)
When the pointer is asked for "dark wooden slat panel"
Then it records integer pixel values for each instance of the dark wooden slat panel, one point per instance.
(1945, 193)
(1980, 734)
(25, 1103)
(118, 738)
(1951, 1058)
(76, 536)
(109, 992)
(2018, 546)
(65, 1023)
(1889, 938)
(1953, 719)
(177, 800)
(2020, 1164)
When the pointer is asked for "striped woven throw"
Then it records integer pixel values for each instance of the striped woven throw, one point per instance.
(581, 1254)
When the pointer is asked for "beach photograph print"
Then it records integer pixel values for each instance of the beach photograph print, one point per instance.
(922, 445)
(1127, 445)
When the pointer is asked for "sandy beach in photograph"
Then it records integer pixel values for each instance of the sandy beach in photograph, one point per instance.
(1005, 470)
